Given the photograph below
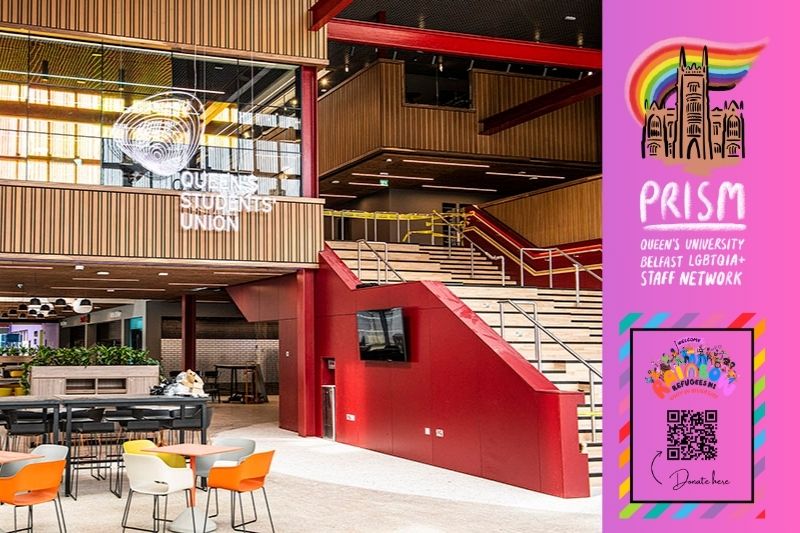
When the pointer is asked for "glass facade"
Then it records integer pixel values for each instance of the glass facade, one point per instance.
(62, 103)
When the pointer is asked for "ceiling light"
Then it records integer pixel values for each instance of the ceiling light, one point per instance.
(335, 182)
(44, 307)
(516, 175)
(12, 311)
(139, 289)
(198, 284)
(35, 301)
(445, 163)
(102, 273)
(365, 184)
(338, 196)
(570, 17)
(84, 302)
(60, 302)
(78, 267)
(387, 175)
(23, 307)
(109, 290)
(388, 159)
(590, 73)
(232, 273)
(132, 280)
(163, 273)
(459, 188)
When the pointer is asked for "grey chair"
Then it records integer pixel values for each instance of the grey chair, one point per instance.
(203, 464)
(48, 452)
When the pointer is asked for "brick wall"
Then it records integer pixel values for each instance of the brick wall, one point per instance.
(226, 351)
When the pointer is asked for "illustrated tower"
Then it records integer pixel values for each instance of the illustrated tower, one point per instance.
(694, 117)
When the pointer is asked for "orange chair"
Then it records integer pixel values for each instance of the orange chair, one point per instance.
(35, 483)
(248, 476)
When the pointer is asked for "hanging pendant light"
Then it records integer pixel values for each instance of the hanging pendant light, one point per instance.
(23, 307)
(12, 311)
(35, 301)
(60, 302)
(44, 307)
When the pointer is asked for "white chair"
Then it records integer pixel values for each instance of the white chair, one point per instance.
(48, 452)
(148, 474)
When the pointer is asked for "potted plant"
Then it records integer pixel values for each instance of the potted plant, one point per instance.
(87, 363)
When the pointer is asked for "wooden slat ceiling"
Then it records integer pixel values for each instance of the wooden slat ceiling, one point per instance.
(499, 178)
(20, 281)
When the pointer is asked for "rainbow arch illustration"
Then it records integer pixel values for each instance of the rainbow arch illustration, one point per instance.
(654, 73)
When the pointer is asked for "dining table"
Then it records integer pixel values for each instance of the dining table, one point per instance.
(184, 522)
(10, 457)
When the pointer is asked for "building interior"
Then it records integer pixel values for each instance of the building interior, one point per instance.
(373, 230)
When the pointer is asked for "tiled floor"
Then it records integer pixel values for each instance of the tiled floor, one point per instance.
(318, 485)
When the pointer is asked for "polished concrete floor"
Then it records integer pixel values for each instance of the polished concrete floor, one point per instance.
(317, 486)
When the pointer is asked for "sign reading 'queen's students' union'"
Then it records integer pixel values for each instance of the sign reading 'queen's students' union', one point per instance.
(162, 134)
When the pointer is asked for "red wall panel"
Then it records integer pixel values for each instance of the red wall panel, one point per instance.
(501, 418)
(287, 374)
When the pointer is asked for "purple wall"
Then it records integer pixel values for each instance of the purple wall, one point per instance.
(50, 332)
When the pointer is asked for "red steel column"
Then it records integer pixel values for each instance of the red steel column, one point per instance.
(189, 331)
(308, 129)
(308, 385)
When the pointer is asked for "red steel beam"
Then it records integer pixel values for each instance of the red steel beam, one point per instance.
(461, 44)
(541, 105)
(324, 10)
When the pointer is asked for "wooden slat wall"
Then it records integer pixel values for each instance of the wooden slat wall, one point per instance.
(567, 134)
(562, 215)
(266, 28)
(349, 120)
(38, 220)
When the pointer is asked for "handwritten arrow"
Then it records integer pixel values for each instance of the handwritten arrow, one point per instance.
(652, 465)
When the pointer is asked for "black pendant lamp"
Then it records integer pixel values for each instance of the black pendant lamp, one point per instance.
(44, 307)
(35, 301)
(60, 302)
(84, 302)
(23, 307)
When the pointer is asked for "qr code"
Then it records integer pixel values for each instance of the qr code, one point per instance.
(691, 435)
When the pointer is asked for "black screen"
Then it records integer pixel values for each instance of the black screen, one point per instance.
(381, 335)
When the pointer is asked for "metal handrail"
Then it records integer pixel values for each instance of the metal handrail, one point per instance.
(578, 267)
(460, 235)
(378, 260)
(537, 349)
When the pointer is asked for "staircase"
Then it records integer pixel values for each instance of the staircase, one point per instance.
(479, 283)
(416, 262)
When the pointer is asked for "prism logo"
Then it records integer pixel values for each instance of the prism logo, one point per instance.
(161, 132)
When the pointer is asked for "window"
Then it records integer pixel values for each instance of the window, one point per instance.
(653, 149)
(63, 98)
(428, 85)
(694, 130)
(733, 127)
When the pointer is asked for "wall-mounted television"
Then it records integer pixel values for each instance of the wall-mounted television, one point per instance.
(382, 335)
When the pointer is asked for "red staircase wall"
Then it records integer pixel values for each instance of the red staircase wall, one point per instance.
(512, 242)
(502, 419)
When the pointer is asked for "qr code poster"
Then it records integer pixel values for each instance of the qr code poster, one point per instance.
(691, 415)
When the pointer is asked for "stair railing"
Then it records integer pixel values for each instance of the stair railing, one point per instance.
(459, 233)
(578, 268)
(379, 261)
(534, 319)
